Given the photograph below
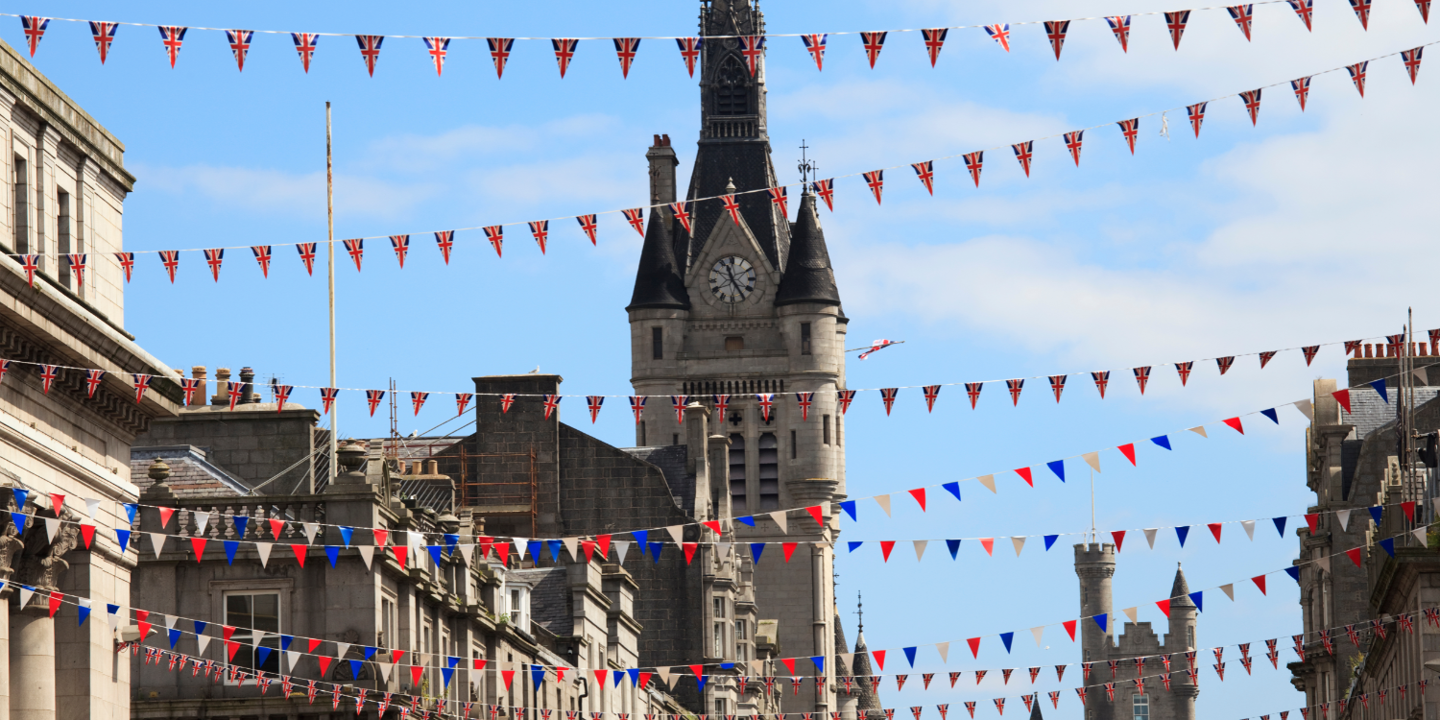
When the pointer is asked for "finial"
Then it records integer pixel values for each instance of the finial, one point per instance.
(730, 185)
(806, 167)
(859, 613)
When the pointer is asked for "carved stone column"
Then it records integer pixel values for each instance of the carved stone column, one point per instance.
(32, 650)
(10, 546)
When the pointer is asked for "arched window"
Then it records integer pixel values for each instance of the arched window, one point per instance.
(737, 475)
(732, 88)
(769, 472)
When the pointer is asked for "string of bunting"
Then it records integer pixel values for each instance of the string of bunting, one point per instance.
(627, 49)
(682, 211)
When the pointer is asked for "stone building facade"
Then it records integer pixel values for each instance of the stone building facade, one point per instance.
(1095, 565)
(65, 186)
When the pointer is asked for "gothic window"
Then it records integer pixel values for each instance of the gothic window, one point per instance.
(732, 88)
(737, 475)
(769, 472)
(249, 614)
(1141, 705)
(804, 338)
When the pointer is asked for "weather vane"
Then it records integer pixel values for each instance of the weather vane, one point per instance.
(805, 166)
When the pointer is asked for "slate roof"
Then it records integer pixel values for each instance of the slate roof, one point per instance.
(191, 473)
(671, 461)
(549, 599)
(1180, 591)
(808, 275)
(658, 279)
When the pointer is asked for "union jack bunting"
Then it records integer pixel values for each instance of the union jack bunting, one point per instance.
(1142, 376)
(356, 248)
(973, 163)
(307, 256)
(625, 51)
(1357, 74)
(1081, 692)
(678, 402)
(1165, 678)
(1000, 705)
(1183, 369)
(31, 263)
(636, 218)
(462, 401)
(213, 258)
(874, 42)
(171, 260)
(587, 223)
(401, 244)
(916, 710)
(93, 378)
(752, 47)
(926, 172)
(104, 34)
(721, 402)
(778, 198)
(142, 383)
(437, 48)
(844, 397)
(540, 229)
(1006, 674)
(970, 707)
(34, 28)
(795, 682)
(732, 206)
(1114, 668)
(310, 692)
(1001, 34)
(1406, 623)
(887, 396)
(815, 45)
(1015, 387)
(875, 180)
(76, 261)
(934, 40)
(1272, 653)
(237, 391)
(826, 190)
(327, 398)
(1055, 31)
(1130, 129)
(496, 235)
(766, 401)
(1224, 363)
(48, 373)
(690, 51)
(1175, 22)
(1102, 380)
(500, 53)
(1379, 627)
(1120, 25)
(805, 400)
(927, 677)
(282, 393)
(418, 400)
(239, 41)
(127, 263)
(1197, 115)
(1252, 105)
(1243, 15)
(564, 53)
(682, 214)
(973, 390)
(1301, 86)
(373, 397)
(262, 256)
(1266, 357)
(594, 402)
(637, 406)
(932, 392)
(189, 386)
(1325, 640)
(1304, 8)
(370, 50)
(1055, 698)
(1424, 7)
(445, 240)
(506, 401)
(1024, 153)
(1362, 12)
(172, 37)
(1057, 384)
(552, 403)
(305, 46)
(1072, 143)
(1411, 58)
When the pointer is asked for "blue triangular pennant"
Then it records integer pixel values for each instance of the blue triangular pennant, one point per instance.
(910, 655)
(1182, 532)
(954, 546)
(369, 652)
(122, 537)
(1274, 416)
(355, 667)
(452, 662)
(1198, 597)
(84, 613)
(1379, 386)
(655, 548)
(174, 637)
(200, 630)
(700, 682)
(130, 510)
(537, 676)
(619, 676)
(231, 547)
(348, 532)
(755, 550)
(727, 666)
(634, 677)
(1389, 545)
(241, 522)
(853, 544)
(285, 640)
(111, 609)
(22, 495)
(1057, 467)
(451, 540)
(435, 553)
(641, 538)
(1162, 441)
(1376, 511)
(954, 488)
(1007, 638)
(746, 520)
(554, 547)
(1101, 620)
(819, 661)
(1280, 525)
(1293, 572)
(1050, 540)
(447, 674)
(849, 507)
(333, 552)
(20, 521)
(533, 547)
(262, 653)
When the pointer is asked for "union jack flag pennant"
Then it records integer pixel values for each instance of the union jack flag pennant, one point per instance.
(826, 190)
(31, 263)
(887, 395)
(1072, 143)
(1024, 151)
(370, 50)
(815, 45)
(552, 403)
(1424, 7)
(1411, 58)
(307, 256)
(500, 53)
(172, 37)
(213, 258)
(779, 199)
(1252, 105)
(766, 401)
(1120, 25)
(445, 240)
(506, 401)
(262, 256)
(1175, 22)
(1184, 368)
(844, 397)
(679, 402)
(374, 397)
(401, 244)
(1055, 30)
(690, 51)
(970, 706)
(239, 45)
(874, 42)
(417, 399)
(305, 46)
(1243, 15)
(1310, 351)
(327, 398)
(732, 206)
(1304, 8)
(1224, 363)
(356, 248)
(625, 50)
(587, 223)
(77, 266)
(804, 399)
(34, 30)
(127, 263)
(594, 402)
(973, 163)
(462, 401)
(237, 391)
(973, 390)
(564, 53)
(1015, 387)
(721, 402)
(752, 47)
(934, 40)
(282, 393)
(1142, 376)
(189, 386)
(1266, 357)
(142, 383)
(1001, 34)
(926, 172)
(1301, 86)
(1102, 381)
(636, 218)
(104, 34)
(683, 215)
(875, 179)
(932, 392)
(1197, 115)
(1057, 384)
(541, 230)
(437, 48)
(1357, 74)
(1000, 705)
(496, 235)
(1130, 129)
(1362, 11)
(171, 260)
(48, 373)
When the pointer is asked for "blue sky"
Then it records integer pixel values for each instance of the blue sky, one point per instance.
(1290, 233)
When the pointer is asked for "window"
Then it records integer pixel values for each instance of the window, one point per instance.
(737, 475)
(804, 338)
(21, 206)
(674, 438)
(825, 430)
(794, 446)
(1190, 636)
(718, 608)
(720, 706)
(1141, 705)
(769, 472)
(732, 91)
(719, 640)
(251, 614)
(387, 637)
(642, 433)
(733, 344)
(742, 648)
(62, 234)
(657, 343)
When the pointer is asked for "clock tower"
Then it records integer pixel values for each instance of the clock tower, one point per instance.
(747, 315)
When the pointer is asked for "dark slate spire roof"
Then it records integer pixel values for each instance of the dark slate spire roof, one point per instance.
(1180, 591)
(658, 281)
(860, 670)
(808, 276)
(1035, 709)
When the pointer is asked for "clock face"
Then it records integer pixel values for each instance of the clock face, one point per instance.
(732, 279)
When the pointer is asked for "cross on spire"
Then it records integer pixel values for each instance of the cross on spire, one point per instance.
(806, 167)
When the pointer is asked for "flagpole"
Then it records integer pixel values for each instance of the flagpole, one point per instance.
(330, 254)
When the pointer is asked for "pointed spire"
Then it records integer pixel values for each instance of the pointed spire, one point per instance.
(1180, 591)
(808, 276)
(657, 280)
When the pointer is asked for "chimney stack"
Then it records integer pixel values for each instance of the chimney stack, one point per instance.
(662, 171)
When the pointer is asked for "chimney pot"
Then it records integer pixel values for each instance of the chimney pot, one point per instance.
(665, 139)
(657, 141)
(432, 467)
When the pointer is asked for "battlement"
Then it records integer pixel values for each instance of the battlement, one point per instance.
(1094, 554)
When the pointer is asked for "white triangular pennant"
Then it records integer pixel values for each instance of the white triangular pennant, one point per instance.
(781, 520)
(1199, 430)
(203, 641)
(1323, 562)
(292, 658)
(263, 550)
(1229, 590)
(1018, 542)
(1249, 526)
(677, 533)
(114, 616)
(1131, 612)
(52, 526)
(25, 595)
(201, 520)
(920, 548)
(884, 502)
(724, 549)
(310, 530)
(1092, 459)
(1420, 374)
(572, 545)
(1038, 632)
(1344, 517)
(664, 673)
(944, 649)
(988, 481)
(1150, 536)
(621, 547)
(385, 669)
(467, 551)
(520, 547)
(757, 667)
(341, 649)
(1419, 534)
(91, 507)
(157, 543)
(846, 659)
(170, 622)
(367, 553)
(1307, 409)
